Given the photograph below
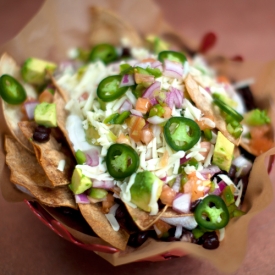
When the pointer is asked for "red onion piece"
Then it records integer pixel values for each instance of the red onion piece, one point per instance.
(183, 160)
(92, 157)
(182, 203)
(174, 97)
(29, 107)
(127, 80)
(243, 165)
(105, 184)
(173, 69)
(126, 106)
(157, 65)
(153, 101)
(176, 185)
(82, 198)
(150, 90)
(210, 170)
(222, 185)
(216, 192)
(136, 113)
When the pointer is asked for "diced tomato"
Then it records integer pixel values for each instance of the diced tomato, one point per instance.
(123, 139)
(260, 142)
(143, 105)
(167, 195)
(144, 78)
(162, 227)
(135, 124)
(146, 135)
(45, 96)
(164, 159)
(206, 145)
(167, 112)
(191, 186)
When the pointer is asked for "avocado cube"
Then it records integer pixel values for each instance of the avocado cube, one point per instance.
(141, 190)
(223, 152)
(34, 70)
(45, 114)
(79, 183)
(98, 193)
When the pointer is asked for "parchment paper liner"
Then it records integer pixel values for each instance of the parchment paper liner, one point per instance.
(62, 24)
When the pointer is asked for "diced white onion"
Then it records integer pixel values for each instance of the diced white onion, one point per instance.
(61, 165)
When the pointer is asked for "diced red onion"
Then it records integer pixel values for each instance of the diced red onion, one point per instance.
(176, 185)
(222, 185)
(179, 96)
(153, 101)
(156, 120)
(172, 69)
(82, 198)
(105, 184)
(127, 80)
(217, 192)
(157, 65)
(210, 170)
(150, 90)
(243, 165)
(182, 203)
(92, 157)
(126, 106)
(183, 160)
(29, 107)
(136, 112)
(164, 178)
(174, 97)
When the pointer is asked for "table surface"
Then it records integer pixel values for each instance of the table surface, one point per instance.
(28, 247)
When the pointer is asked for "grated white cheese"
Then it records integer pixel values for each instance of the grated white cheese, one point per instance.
(113, 221)
(221, 234)
(208, 158)
(227, 180)
(240, 191)
(61, 165)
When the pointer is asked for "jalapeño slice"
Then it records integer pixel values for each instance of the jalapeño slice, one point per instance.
(181, 133)
(104, 52)
(121, 161)
(172, 56)
(228, 110)
(11, 90)
(109, 90)
(212, 213)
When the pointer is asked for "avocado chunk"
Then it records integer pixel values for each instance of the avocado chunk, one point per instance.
(157, 44)
(98, 193)
(79, 183)
(223, 152)
(45, 114)
(142, 194)
(34, 70)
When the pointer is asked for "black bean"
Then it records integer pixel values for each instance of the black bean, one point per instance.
(194, 204)
(210, 240)
(126, 52)
(41, 137)
(41, 133)
(247, 96)
(137, 239)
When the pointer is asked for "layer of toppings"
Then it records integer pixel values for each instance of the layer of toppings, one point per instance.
(155, 136)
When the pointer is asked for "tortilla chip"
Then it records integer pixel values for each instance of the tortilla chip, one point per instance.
(61, 118)
(107, 27)
(101, 226)
(143, 219)
(205, 105)
(12, 113)
(60, 91)
(26, 172)
(49, 154)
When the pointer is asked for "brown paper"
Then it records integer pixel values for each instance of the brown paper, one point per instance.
(62, 24)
